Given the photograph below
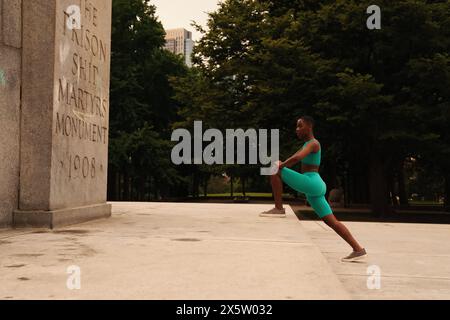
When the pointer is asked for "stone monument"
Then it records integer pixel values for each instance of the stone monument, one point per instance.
(10, 84)
(57, 149)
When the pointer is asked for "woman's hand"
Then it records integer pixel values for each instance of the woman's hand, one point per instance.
(279, 164)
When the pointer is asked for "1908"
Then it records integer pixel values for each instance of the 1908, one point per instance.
(81, 166)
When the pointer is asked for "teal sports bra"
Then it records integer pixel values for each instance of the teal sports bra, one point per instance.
(312, 158)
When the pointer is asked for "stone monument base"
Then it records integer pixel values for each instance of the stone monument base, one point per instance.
(60, 218)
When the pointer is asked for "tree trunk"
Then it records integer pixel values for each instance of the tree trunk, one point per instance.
(111, 184)
(378, 187)
(447, 194)
(358, 185)
(117, 191)
(346, 186)
(155, 190)
(243, 186)
(132, 189)
(205, 186)
(365, 197)
(149, 194)
(142, 179)
(332, 181)
(120, 186)
(231, 185)
(126, 186)
(401, 185)
(195, 185)
(391, 188)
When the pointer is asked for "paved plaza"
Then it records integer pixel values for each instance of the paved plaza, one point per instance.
(221, 251)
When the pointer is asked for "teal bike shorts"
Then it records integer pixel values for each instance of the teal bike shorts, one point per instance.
(312, 185)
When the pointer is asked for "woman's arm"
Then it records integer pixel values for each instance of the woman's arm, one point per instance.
(300, 155)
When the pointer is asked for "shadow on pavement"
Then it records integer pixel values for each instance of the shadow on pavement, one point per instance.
(404, 217)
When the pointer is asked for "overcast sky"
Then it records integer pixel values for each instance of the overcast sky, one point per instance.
(179, 13)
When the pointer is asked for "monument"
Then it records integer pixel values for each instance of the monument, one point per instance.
(57, 149)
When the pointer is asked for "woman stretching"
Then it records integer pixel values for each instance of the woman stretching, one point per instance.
(311, 184)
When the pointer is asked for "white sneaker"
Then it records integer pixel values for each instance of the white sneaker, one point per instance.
(274, 213)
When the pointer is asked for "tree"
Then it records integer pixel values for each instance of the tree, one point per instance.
(142, 108)
(264, 63)
(387, 119)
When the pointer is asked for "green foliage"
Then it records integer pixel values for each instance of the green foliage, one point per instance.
(380, 96)
(376, 93)
(142, 107)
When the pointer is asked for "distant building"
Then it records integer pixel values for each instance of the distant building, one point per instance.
(179, 41)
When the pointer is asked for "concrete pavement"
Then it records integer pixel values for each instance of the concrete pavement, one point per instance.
(222, 251)
(170, 251)
(413, 259)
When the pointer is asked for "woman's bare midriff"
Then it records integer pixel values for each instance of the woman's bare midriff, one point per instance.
(309, 168)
